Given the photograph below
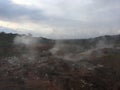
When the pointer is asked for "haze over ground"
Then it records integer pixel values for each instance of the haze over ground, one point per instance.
(61, 18)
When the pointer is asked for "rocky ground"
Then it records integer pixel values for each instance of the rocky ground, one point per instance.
(36, 67)
(52, 73)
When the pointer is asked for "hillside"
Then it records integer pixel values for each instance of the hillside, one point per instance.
(35, 63)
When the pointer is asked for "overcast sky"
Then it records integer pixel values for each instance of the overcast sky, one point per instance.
(61, 18)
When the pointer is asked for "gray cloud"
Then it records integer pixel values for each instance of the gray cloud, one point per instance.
(13, 12)
(70, 19)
